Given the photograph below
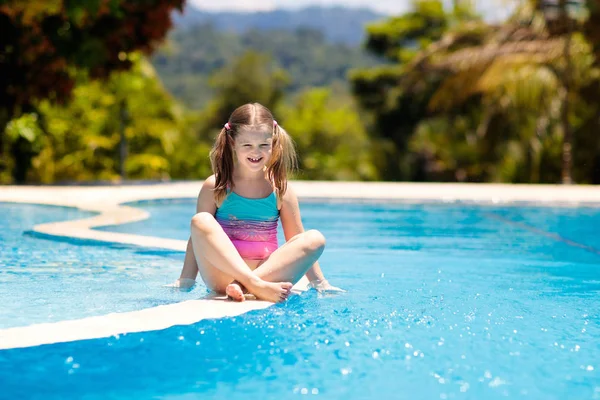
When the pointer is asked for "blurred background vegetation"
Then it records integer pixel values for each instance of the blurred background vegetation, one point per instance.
(111, 90)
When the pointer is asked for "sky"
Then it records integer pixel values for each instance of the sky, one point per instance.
(491, 9)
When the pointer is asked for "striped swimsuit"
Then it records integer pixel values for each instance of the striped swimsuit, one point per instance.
(251, 224)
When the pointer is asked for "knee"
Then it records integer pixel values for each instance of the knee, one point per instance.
(202, 221)
(315, 241)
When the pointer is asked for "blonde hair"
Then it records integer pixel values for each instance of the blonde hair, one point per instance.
(283, 157)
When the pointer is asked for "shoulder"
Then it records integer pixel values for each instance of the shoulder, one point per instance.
(206, 197)
(208, 186)
(209, 183)
(289, 198)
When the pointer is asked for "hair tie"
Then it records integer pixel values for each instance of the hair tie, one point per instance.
(274, 123)
(227, 126)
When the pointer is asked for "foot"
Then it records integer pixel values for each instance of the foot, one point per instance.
(235, 292)
(271, 291)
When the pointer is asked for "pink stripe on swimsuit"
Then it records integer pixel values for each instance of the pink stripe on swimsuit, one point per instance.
(251, 224)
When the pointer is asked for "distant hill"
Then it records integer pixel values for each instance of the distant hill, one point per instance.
(338, 24)
(191, 55)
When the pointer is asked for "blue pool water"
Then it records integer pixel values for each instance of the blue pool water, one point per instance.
(47, 280)
(443, 302)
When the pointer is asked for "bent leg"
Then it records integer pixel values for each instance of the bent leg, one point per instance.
(292, 260)
(212, 246)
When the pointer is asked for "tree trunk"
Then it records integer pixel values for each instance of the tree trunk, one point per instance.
(123, 117)
(564, 117)
(4, 156)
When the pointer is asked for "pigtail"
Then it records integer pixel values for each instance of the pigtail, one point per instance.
(283, 159)
(221, 160)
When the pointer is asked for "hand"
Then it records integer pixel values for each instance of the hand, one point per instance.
(323, 286)
(182, 284)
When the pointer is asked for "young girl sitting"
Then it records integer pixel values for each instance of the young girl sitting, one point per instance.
(233, 241)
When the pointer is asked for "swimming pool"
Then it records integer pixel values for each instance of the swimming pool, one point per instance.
(444, 301)
(49, 281)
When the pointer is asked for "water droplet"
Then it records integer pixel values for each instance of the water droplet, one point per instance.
(375, 355)
(69, 360)
(315, 391)
(496, 382)
(590, 368)
(304, 391)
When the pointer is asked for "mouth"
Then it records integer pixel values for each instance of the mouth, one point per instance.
(255, 160)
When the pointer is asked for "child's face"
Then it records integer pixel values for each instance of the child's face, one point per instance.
(253, 148)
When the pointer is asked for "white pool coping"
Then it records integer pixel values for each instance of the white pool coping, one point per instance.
(108, 202)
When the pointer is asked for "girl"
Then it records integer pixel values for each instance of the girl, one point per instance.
(233, 241)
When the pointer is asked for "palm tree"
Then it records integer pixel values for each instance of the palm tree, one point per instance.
(514, 65)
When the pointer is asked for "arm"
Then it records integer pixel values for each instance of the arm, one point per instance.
(205, 203)
(291, 223)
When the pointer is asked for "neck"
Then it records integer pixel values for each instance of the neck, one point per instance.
(240, 174)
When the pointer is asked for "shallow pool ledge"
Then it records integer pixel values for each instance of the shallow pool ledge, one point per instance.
(149, 319)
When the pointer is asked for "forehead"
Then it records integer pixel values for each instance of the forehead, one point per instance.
(253, 135)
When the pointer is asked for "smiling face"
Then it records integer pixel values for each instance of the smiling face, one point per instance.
(253, 148)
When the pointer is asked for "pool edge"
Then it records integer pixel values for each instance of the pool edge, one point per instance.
(109, 201)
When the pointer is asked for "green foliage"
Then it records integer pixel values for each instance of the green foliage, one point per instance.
(330, 137)
(476, 102)
(186, 63)
(458, 100)
(413, 31)
(44, 42)
(396, 107)
(251, 78)
(80, 141)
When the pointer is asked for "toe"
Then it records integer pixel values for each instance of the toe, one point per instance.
(235, 292)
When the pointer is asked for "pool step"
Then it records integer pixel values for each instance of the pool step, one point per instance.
(149, 319)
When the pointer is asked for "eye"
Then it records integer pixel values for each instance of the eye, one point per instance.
(265, 145)
(247, 145)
